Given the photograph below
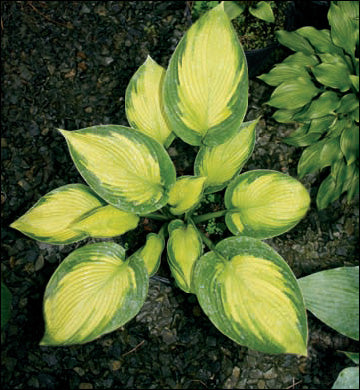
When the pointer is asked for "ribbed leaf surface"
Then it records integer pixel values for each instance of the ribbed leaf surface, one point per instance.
(52, 217)
(252, 297)
(220, 163)
(144, 102)
(206, 84)
(93, 292)
(333, 297)
(264, 203)
(125, 167)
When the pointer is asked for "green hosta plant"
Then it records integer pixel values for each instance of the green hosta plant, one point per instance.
(333, 297)
(318, 87)
(244, 286)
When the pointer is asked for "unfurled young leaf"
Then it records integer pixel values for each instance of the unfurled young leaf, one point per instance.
(125, 167)
(205, 83)
(220, 163)
(264, 203)
(144, 104)
(250, 294)
(93, 292)
(151, 252)
(186, 193)
(52, 217)
(106, 221)
(333, 297)
(184, 248)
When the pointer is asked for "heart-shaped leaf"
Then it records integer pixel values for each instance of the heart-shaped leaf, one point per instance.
(251, 295)
(206, 83)
(264, 203)
(220, 163)
(127, 168)
(93, 292)
(144, 104)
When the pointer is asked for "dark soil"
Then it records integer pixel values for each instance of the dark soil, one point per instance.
(66, 65)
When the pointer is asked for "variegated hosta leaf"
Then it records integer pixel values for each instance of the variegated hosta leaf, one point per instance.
(125, 167)
(151, 252)
(206, 84)
(143, 102)
(251, 295)
(93, 292)
(264, 203)
(186, 194)
(52, 217)
(184, 248)
(333, 297)
(106, 221)
(222, 162)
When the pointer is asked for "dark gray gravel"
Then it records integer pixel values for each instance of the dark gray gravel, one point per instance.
(67, 65)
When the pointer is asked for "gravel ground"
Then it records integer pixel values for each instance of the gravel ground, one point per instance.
(67, 65)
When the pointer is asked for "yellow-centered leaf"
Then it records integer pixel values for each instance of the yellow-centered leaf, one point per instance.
(206, 84)
(125, 167)
(93, 292)
(186, 193)
(250, 294)
(51, 218)
(143, 102)
(220, 163)
(106, 221)
(184, 248)
(264, 203)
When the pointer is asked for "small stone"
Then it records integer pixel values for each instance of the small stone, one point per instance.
(261, 384)
(85, 385)
(115, 365)
(270, 374)
(24, 184)
(80, 371)
(88, 110)
(71, 74)
(39, 263)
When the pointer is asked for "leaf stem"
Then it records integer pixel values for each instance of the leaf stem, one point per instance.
(206, 217)
(159, 217)
(211, 245)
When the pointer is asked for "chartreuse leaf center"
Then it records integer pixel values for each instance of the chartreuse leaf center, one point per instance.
(126, 168)
(92, 292)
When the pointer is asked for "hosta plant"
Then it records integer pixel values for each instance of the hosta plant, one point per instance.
(333, 297)
(318, 88)
(244, 286)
